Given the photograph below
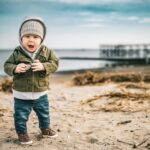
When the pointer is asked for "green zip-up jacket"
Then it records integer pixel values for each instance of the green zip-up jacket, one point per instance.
(31, 81)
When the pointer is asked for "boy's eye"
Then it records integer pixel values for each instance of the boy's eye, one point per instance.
(35, 37)
(27, 36)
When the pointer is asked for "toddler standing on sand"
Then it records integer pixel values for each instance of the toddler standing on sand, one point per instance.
(30, 64)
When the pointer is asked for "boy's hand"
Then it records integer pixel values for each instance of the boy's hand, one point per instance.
(21, 68)
(37, 66)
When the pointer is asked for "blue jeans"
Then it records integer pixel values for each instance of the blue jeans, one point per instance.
(23, 109)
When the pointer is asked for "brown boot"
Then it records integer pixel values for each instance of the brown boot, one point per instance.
(24, 139)
(48, 133)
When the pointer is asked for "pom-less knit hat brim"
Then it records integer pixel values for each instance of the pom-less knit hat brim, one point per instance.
(33, 25)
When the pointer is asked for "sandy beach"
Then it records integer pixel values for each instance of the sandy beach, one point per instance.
(96, 116)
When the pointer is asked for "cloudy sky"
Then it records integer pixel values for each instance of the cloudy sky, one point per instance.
(78, 23)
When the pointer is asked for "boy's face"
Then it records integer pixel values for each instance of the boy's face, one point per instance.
(31, 42)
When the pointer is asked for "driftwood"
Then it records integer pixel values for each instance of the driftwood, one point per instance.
(125, 142)
(124, 122)
(132, 144)
(142, 142)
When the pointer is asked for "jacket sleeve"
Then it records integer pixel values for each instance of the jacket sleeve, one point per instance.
(52, 64)
(9, 65)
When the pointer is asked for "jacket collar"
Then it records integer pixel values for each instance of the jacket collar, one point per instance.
(31, 55)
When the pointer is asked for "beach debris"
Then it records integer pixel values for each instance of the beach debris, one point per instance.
(89, 100)
(148, 146)
(139, 144)
(118, 101)
(58, 130)
(140, 86)
(123, 122)
(93, 140)
(125, 77)
(118, 94)
(133, 144)
(1, 114)
(130, 95)
(89, 78)
(146, 78)
(6, 84)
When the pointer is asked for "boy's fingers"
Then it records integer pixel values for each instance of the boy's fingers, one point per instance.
(36, 61)
(22, 65)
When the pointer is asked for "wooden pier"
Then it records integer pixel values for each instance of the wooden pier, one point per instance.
(130, 53)
(125, 51)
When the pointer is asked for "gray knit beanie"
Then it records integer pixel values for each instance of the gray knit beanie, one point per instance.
(33, 25)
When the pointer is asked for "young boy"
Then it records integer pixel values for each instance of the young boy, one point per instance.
(30, 64)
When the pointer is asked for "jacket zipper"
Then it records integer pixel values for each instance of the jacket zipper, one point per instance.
(33, 82)
(32, 85)
(33, 77)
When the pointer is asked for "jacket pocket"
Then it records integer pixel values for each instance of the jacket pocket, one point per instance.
(43, 83)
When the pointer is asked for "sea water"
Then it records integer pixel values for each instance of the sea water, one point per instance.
(67, 64)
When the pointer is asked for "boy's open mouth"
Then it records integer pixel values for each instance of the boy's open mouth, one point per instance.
(31, 46)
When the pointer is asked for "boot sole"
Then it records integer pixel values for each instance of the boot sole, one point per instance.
(26, 143)
(48, 136)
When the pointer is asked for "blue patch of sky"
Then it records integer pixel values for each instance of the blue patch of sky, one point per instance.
(68, 13)
(66, 18)
(56, 8)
